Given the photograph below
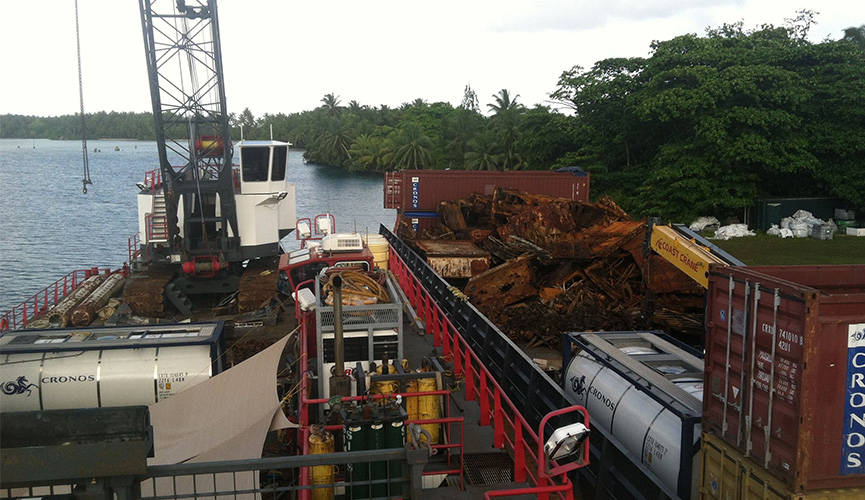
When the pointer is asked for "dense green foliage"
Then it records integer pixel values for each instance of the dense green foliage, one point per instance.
(112, 125)
(704, 125)
(708, 124)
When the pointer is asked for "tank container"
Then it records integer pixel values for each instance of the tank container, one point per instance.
(644, 388)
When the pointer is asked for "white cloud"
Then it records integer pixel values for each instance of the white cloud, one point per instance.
(283, 56)
(578, 15)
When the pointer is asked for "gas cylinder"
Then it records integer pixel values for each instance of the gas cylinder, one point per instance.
(388, 386)
(320, 442)
(355, 432)
(428, 408)
(377, 470)
(394, 438)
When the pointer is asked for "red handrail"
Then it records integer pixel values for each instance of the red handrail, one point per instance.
(22, 314)
(479, 382)
(153, 179)
(133, 245)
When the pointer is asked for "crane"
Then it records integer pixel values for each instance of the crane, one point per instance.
(197, 211)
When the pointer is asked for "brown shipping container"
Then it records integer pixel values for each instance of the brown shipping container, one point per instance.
(423, 190)
(798, 330)
(729, 475)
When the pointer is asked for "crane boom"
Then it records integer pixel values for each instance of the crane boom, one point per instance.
(688, 251)
(193, 134)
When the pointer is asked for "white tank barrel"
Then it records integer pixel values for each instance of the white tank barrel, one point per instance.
(646, 392)
(119, 366)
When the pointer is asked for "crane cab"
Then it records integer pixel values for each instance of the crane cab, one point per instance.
(266, 202)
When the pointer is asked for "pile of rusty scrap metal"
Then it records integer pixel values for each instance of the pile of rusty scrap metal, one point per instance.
(558, 265)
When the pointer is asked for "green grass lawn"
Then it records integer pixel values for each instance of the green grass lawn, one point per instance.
(765, 250)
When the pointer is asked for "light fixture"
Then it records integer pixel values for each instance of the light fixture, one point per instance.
(303, 229)
(324, 225)
(568, 446)
(565, 442)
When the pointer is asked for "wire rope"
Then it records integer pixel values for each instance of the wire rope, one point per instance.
(86, 179)
(193, 102)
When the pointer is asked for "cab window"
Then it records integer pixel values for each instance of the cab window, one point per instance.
(279, 155)
(255, 163)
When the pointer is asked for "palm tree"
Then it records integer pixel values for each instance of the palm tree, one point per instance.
(355, 107)
(371, 153)
(505, 103)
(331, 104)
(412, 148)
(507, 113)
(484, 153)
(458, 128)
(334, 141)
(856, 36)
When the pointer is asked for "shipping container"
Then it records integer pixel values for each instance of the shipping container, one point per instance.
(785, 370)
(106, 366)
(772, 210)
(644, 388)
(423, 190)
(729, 475)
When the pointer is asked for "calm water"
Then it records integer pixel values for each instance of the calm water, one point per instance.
(49, 228)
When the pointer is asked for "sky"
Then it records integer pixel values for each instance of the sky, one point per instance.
(283, 56)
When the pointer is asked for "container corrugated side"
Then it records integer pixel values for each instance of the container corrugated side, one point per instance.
(728, 475)
(423, 190)
(791, 329)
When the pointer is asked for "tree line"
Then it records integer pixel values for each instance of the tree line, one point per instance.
(703, 125)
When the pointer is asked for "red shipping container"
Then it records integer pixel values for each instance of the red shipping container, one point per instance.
(799, 331)
(423, 190)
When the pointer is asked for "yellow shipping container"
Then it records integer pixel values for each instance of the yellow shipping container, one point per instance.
(728, 475)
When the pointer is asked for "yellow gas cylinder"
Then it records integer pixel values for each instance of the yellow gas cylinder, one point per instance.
(388, 386)
(411, 406)
(428, 407)
(320, 442)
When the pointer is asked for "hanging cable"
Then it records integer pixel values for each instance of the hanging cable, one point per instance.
(86, 179)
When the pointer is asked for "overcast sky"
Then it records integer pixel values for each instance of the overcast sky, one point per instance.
(282, 56)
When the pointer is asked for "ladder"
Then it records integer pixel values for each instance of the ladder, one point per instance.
(157, 220)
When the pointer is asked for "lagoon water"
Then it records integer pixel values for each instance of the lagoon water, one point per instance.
(48, 227)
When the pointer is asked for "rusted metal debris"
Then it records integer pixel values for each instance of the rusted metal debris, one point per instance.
(455, 258)
(257, 284)
(144, 292)
(503, 285)
(560, 265)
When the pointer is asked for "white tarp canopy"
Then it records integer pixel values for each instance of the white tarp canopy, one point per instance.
(224, 418)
